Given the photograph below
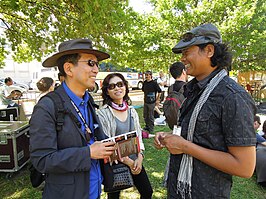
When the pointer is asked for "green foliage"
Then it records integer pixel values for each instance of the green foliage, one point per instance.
(34, 28)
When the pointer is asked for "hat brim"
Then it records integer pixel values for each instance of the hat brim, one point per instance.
(181, 45)
(52, 61)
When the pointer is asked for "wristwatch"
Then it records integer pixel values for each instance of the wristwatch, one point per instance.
(141, 153)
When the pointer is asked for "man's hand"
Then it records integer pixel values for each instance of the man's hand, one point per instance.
(101, 150)
(175, 144)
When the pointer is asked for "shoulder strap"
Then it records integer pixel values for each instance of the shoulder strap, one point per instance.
(171, 88)
(181, 90)
(59, 109)
(130, 122)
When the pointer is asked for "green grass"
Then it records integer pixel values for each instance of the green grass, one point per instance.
(18, 186)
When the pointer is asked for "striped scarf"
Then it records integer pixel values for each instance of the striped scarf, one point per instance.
(186, 166)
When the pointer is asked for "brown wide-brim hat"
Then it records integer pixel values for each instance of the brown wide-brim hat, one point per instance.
(72, 47)
(203, 34)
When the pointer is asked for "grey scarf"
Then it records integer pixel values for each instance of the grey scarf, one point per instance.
(186, 166)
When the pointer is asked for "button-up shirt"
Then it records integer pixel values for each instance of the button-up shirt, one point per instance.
(95, 171)
(226, 119)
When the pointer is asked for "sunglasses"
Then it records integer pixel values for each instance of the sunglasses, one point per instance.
(118, 84)
(188, 37)
(91, 63)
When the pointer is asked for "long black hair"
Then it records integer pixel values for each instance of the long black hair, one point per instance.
(106, 98)
(222, 57)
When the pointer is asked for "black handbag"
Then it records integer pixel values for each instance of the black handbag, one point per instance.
(116, 177)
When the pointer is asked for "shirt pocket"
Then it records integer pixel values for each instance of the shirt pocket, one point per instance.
(202, 124)
(208, 119)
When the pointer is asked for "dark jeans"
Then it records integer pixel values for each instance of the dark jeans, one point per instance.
(148, 114)
(141, 182)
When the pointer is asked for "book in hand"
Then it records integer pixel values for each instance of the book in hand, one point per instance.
(126, 144)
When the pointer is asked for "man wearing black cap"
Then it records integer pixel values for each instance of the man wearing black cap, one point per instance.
(69, 157)
(217, 137)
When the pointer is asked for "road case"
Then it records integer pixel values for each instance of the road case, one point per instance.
(9, 114)
(14, 145)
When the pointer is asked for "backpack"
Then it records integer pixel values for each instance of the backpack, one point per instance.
(36, 177)
(172, 105)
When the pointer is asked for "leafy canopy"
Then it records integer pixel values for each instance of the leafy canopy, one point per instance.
(32, 29)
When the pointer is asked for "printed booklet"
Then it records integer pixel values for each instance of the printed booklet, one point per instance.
(126, 144)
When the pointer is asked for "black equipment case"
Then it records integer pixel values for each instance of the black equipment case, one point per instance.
(14, 145)
(9, 114)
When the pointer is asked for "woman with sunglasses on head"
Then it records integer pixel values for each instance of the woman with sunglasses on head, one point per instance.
(117, 118)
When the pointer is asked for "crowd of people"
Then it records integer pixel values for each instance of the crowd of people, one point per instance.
(217, 121)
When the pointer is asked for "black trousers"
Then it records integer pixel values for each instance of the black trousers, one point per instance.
(148, 114)
(141, 182)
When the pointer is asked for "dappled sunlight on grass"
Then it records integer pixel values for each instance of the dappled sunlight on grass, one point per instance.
(157, 174)
(17, 194)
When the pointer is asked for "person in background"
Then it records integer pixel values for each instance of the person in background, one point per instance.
(45, 85)
(260, 154)
(61, 78)
(161, 81)
(117, 118)
(260, 140)
(257, 122)
(217, 137)
(152, 94)
(263, 131)
(5, 91)
(69, 158)
(178, 72)
(6, 98)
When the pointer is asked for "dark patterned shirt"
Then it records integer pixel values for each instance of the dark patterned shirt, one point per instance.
(226, 119)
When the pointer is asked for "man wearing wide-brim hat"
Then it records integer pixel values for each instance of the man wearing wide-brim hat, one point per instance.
(217, 137)
(69, 156)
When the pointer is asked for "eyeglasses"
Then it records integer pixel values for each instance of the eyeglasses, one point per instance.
(91, 63)
(189, 36)
(118, 84)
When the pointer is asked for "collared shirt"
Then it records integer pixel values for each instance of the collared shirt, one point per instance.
(95, 171)
(226, 119)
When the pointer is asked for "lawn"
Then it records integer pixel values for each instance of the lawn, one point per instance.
(18, 186)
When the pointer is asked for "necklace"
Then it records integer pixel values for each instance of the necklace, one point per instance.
(120, 107)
